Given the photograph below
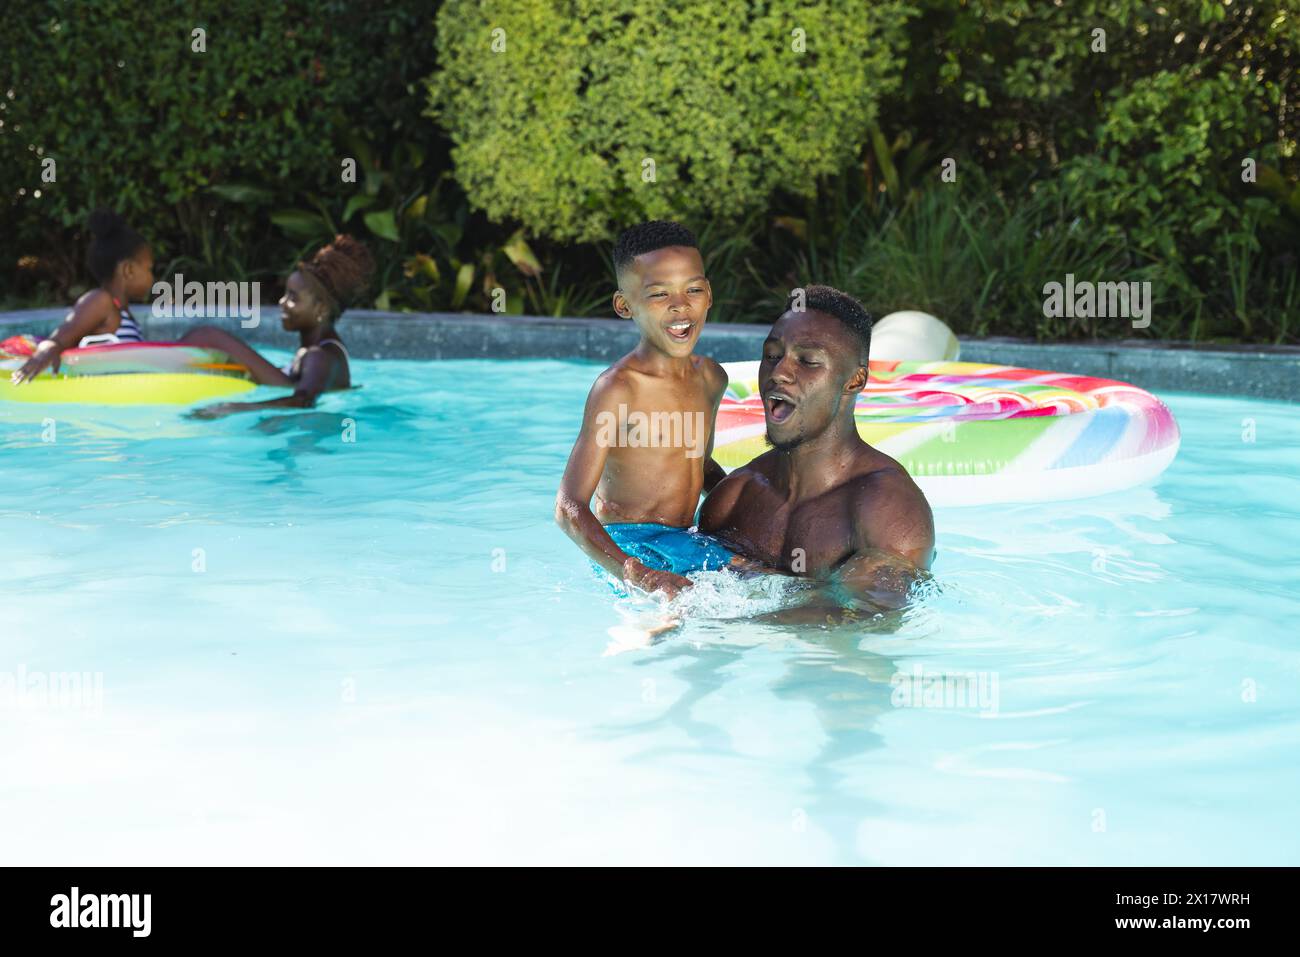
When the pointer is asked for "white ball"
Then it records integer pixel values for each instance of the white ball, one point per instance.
(912, 336)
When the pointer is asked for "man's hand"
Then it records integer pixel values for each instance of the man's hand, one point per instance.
(876, 579)
(650, 579)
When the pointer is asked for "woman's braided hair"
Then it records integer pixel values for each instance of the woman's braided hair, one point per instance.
(343, 269)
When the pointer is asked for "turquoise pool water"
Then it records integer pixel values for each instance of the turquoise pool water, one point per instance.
(354, 635)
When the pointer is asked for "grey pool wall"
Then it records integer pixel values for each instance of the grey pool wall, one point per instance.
(1249, 371)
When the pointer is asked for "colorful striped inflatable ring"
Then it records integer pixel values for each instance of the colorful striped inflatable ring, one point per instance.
(130, 373)
(977, 434)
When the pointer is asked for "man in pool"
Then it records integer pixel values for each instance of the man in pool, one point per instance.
(646, 445)
(822, 503)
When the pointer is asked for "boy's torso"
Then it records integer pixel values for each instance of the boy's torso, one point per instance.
(657, 444)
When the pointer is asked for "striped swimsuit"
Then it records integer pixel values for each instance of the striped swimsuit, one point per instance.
(127, 330)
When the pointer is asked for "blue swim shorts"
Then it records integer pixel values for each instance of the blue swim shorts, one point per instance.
(665, 548)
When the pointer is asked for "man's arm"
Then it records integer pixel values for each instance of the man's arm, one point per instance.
(894, 537)
(713, 472)
(716, 519)
(581, 476)
(868, 584)
(715, 513)
(876, 579)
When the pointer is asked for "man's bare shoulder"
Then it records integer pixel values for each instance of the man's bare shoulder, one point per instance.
(762, 466)
(882, 481)
(720, 502)
(758, 471)
(890, 511)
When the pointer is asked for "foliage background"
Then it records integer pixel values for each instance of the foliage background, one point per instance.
(482, 169)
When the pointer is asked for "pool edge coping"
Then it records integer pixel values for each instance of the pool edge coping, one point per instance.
(1256, 372)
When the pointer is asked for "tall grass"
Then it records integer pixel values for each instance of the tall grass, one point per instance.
(967, 255)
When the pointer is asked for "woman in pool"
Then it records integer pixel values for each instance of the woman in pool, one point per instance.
(121, 262)
(314, 296)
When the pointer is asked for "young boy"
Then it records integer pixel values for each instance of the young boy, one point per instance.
(646, 445)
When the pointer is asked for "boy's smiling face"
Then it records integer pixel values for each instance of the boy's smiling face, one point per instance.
(666, 294)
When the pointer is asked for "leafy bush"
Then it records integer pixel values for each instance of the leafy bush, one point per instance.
(200, 150)
(555, 109)
(1016, 86)
(1142, 144)
(821, 166)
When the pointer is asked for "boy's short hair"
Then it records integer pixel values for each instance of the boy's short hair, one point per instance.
(844, 308)
(646, 238)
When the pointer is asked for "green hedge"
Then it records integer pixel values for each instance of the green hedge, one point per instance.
(555, 109)
(821, 165)
(1140, 145)
(199, 149)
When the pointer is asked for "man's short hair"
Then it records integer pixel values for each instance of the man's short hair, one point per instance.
(844, 308)
(646, 238)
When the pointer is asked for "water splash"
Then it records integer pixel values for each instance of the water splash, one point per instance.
(648, 619)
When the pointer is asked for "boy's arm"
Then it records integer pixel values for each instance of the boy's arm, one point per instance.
(86, 316)
(315, 375)
(573, 502)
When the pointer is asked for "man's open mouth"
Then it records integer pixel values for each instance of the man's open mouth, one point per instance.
(681, 331)
(779, 406)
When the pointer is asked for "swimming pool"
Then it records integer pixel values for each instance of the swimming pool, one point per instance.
(353, 635)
